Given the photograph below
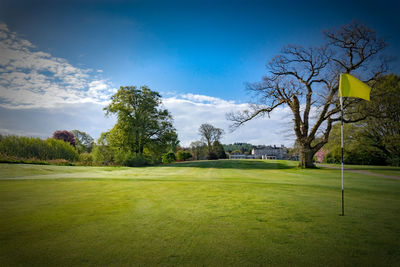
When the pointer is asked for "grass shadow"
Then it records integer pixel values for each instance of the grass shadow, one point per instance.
(235, 164)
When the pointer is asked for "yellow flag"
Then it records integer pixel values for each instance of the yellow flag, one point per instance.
(350, 86)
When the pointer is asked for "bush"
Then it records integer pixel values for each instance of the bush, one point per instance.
(103, 155)
(130, 159)
(21, 147)
(168, 158)
(212, 156)
(86, 159)
(183, 155)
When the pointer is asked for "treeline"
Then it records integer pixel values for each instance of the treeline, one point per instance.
(238, 148)
(16, 148)
(375, 140)
(143, 135)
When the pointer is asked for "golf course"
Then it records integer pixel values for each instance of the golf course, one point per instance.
(199, 213)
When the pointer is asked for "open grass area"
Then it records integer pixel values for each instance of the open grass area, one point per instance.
(385, 170)
(227, 212)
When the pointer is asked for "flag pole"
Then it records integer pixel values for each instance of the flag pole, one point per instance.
(341, 139)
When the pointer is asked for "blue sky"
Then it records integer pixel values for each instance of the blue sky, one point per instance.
(201, 52)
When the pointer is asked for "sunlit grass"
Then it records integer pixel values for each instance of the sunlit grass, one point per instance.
(196, 213)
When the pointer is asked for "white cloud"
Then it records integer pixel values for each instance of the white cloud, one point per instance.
(35, 79)
(40, 93)
(190, 111)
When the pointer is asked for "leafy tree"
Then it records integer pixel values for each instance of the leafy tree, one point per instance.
(168, 158)
(243, 147)
(210, 134)
(141, 120)
(66, 136)
(375, 140)
(84, 142)
(183, 155)
(211, 156)
(197, 149)
(219, 150)
(306, 80)
(357, 148)
(382, 127)
(103, 152)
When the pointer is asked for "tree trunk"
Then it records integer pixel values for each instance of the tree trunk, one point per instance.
(306, 157)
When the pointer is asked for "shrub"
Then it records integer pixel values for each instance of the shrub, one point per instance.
(168, 158)
(130, 159)
(103, 155)
(86, 158)
(211, 156)
(21, 147)
(183, 155)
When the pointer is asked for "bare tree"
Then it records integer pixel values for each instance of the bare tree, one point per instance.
(210, 134)
(306, 80)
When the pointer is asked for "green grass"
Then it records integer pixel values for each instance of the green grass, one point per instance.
(232, 213)
(385, 170)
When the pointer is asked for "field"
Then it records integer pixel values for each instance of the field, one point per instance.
(232, 213)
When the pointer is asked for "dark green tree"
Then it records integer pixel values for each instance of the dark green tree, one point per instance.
(219, 150)
(142, 122)
(183, 155)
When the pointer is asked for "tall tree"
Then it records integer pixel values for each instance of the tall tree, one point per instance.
(141, 119)
(198, 149)
(382, 126)
(210, 134)
(84, 142)
(306, 80)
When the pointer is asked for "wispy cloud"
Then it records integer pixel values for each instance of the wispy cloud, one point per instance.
(30, 78)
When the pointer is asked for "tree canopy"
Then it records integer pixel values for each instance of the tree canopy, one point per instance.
(210, 134)
(141, 119)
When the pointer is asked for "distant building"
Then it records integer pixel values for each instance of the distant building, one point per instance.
(269, 152)
(264, 152)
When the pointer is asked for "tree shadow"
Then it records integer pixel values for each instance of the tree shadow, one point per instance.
(234, 164)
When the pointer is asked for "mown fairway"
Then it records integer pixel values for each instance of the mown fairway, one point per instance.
(240, 213)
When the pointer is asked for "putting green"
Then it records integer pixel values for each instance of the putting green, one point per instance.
(227, 212)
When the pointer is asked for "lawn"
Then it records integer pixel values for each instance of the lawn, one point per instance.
(228, 212)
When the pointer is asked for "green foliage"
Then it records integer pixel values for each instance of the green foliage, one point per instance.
(21, 147)
(130, 159)
(239, 148)
(183, 155)
(84, 142)
(168, 158)
(211, 156)
(210, 134)
(103, 153)
(86, 158)
(219, 150)
(377, 139)
(141, 120)
(198, 150)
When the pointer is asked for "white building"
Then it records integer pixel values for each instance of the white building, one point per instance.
(269, 152)
(264, 152)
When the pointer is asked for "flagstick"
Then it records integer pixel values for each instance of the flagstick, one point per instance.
(341, 131)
